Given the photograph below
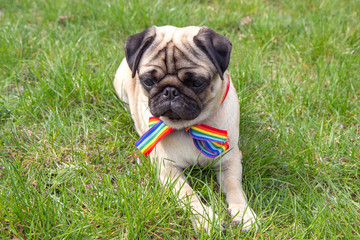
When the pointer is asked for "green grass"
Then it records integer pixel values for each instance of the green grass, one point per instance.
(67, 164)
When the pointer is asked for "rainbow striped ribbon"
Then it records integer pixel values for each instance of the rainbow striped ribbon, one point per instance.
(158, 130)
(208, 140)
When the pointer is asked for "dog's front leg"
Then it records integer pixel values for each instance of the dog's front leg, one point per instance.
(229, 178)
(202, 216)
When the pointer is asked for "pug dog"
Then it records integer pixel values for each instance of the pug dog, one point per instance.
(179, 77)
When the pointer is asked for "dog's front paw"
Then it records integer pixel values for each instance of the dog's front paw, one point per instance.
(243, 216)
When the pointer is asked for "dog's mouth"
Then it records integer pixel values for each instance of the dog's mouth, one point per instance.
(175, 111)
(171, 115)
(174, 105)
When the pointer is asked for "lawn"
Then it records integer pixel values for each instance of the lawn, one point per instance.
(68, 165)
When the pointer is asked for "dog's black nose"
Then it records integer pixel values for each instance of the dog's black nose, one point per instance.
(170, 93)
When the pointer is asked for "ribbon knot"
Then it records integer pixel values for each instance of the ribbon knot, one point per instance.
(208, 140)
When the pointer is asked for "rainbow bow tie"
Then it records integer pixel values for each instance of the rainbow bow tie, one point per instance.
(208, 140)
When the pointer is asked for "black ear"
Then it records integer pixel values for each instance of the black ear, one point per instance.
(216, 47)
(135, 46)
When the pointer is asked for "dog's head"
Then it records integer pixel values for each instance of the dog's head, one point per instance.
(180, 70)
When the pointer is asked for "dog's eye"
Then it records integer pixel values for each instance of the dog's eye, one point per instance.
(197, 83)
(148, 82)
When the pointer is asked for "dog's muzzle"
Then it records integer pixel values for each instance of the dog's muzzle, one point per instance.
(171, 103)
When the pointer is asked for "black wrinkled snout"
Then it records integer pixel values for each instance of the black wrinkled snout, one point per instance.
(170, 93)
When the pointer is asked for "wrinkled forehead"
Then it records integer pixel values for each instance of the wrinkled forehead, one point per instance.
(173, 52)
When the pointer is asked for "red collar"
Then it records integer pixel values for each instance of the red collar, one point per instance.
(227, 88)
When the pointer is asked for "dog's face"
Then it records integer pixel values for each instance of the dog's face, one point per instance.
(180, 71)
